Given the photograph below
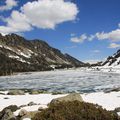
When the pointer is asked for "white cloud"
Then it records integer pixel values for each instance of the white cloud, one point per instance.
(80, 39)
(119, 25)
(48, 13)
(113, 35)
(114, 45)
(95, 51)
(9, 4)
(91, 37)
(45, 14)
(16, 23)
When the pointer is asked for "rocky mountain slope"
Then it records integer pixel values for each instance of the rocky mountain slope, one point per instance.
(19, 55)
(112, 61)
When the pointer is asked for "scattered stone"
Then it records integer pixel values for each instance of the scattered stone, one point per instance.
(31, 104)
(56, 93)
(8, 115)
(40, 109)
(112, 90)
(13, 108)
(22, 113)
(117, 109)
(23, 106)
(16, 92)
(2, 93)
(34, 92)
(6, 98)
(71, 97)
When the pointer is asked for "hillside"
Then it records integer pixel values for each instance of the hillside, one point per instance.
(20, 55)
(112, 61)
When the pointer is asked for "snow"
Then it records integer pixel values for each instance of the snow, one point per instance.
(42, 99)
(109, 101)
(30, 108)
(13, 56)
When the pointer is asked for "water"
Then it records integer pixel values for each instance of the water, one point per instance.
(62, 81)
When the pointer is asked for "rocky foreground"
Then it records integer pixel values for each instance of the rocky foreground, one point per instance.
(36, 106)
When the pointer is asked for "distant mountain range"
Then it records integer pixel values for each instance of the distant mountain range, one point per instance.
(20, 55)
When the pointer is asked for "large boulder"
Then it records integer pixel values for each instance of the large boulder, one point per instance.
(8, 115)
(71, 97)
(16, 92)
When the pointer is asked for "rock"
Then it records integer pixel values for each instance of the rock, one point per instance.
(6, 98)
(71, 97)
(23, 106)
(2, 93)
(40, 109)
(117, 109)
(112, 90)
(8, 115)
(13, 108)
(22, 113)
(16, 92)
(34, 92)
(31, 104)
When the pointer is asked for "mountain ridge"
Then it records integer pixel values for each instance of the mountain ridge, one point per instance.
(22, 55)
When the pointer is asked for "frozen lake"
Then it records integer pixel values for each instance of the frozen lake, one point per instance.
(62, 81)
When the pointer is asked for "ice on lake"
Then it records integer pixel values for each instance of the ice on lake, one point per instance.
(62, 81)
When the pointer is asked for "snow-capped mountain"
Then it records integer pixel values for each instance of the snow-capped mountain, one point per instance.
(112, 61)
(18, 54)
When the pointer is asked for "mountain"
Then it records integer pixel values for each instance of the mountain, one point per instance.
(19, 55)
(112, 61)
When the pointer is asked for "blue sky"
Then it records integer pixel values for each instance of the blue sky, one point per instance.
(87, 29)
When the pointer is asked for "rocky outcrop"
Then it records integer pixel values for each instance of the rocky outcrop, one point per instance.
(113, 60)
(16, 92)
(71, 97)
(7, 113)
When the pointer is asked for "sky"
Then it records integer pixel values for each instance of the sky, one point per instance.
(86, 29)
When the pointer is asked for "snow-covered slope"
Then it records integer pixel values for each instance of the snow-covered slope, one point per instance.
(112, 61)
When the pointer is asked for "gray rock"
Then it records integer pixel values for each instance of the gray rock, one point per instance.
(16, 92)
(8, 115)
(70, 97)
(31, 104)
(22, 113)
(23, 106)
(117, 109)
(112, 90)
(40, 109)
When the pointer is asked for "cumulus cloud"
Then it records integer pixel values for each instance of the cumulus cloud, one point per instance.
(9, 4)
(114, 45)
(113, 35)
(45, 14)
(49, 13)
(80, 39)
(18, 22)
